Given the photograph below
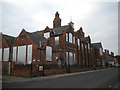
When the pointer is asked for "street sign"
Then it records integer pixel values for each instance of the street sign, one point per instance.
(40, 68)
(38, 60)
(34, 60)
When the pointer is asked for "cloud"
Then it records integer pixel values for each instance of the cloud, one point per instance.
(99, 20)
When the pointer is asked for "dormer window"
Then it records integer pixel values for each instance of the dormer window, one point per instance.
(47, 35)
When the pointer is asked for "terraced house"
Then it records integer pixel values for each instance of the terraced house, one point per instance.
(56, 48)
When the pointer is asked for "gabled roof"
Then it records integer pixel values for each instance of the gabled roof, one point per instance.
(37, 36)
(9, 39)
(97, 45)
(59, 30)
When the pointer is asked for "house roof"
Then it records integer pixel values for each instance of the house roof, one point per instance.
(97, 45)
(59, 30)
(37, 36)
(9, 39)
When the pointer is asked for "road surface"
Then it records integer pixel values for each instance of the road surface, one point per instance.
(107, 78)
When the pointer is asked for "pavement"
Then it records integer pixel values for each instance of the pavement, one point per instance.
(12, 79)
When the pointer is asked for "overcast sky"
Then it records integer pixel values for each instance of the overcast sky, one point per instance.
(99, 19)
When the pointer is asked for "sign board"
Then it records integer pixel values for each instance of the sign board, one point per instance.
(34, 60)
(38, 60)
(40, 68)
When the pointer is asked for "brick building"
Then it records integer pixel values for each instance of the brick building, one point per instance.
(97, 51)
(59, 47)
(6, 52)
(109, 58)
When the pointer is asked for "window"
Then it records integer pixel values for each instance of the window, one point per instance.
(67, 37)
(74, 58)
(66, 58)
(73, 39)
(47, 35)
(14, 54)
(82, 47)
(6, 54)
(70, 37)
(21, 54)
(78, 44)
(56, 40)
(29, 54)
(48, 53)
(71, 58)
(89, 47)
(101, 52)
(0, 54)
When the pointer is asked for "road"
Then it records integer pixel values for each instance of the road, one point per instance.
(97, 79)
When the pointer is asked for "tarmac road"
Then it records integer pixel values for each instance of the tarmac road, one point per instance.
(107, 78)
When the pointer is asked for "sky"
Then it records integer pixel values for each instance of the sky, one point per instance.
(98, 18)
